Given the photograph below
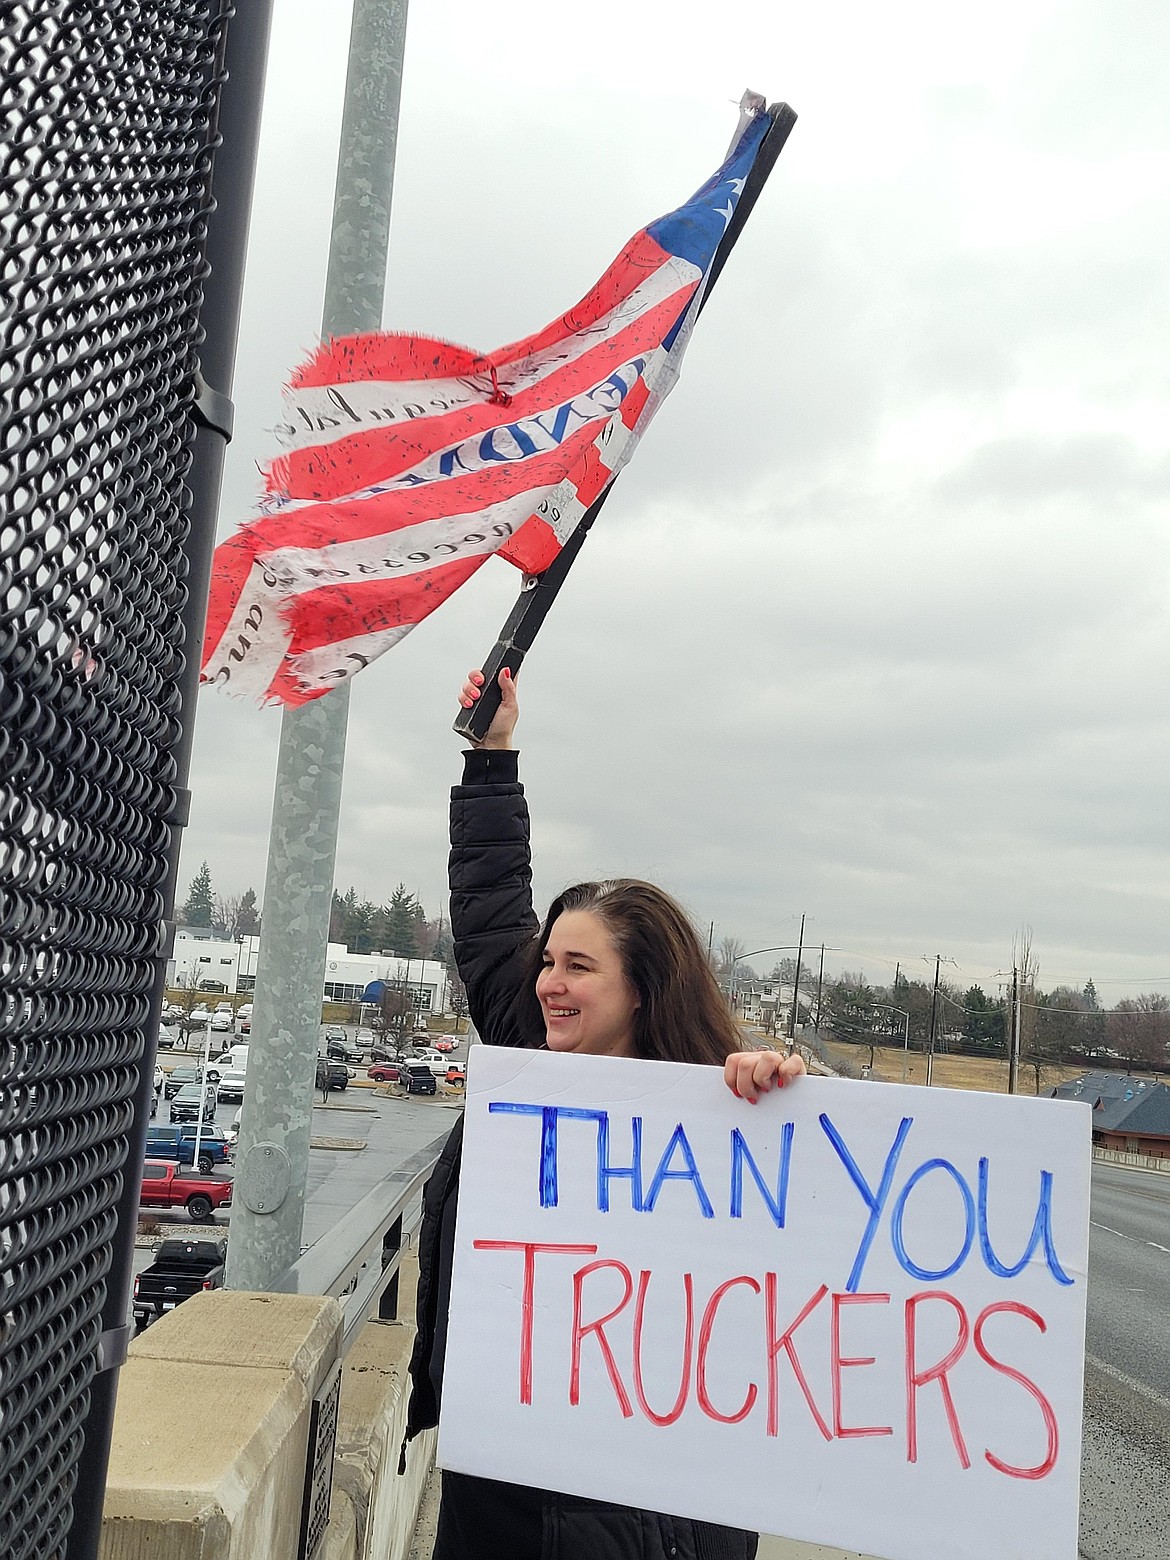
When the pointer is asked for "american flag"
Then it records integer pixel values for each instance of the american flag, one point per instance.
(408, 462)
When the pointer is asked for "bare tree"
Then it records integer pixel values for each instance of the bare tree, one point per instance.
(1139, 1031)
(458, 993)
(731, 950)
(225, 914)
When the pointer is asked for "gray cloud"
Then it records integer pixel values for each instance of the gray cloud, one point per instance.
(876, 625)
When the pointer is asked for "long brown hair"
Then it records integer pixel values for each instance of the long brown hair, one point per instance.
(683, 1016)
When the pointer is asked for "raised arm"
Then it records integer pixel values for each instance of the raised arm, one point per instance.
(492, 919)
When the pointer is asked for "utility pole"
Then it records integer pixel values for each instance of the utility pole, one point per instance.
(273, 1153)
(820, 984)
(1014, 1036)
(933, 1017)
(796, 984)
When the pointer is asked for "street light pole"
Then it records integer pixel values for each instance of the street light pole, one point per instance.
(273, 1150)
(796, 984)
(885, 1006)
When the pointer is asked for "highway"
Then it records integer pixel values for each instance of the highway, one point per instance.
(1125, 1476)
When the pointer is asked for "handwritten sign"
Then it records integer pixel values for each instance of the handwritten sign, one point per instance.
(851, 1314)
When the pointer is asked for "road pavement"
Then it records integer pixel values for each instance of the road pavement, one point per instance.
(1125, 1472)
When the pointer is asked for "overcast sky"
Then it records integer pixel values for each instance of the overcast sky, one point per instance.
(876, 627)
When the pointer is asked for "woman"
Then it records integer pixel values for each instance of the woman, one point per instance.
(616, 970)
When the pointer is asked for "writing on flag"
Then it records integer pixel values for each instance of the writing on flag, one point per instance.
(407, 462)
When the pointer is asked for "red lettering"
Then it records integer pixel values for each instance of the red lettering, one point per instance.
(581, 1329)
(1042, 1468)
(705, 1330)
(529, 1248)
(838, 1362)
(916, 1378)
(785, 1342)
(688, 1343)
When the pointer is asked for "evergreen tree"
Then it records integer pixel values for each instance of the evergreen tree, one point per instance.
(1089, 996)
(200, 905)
(402, 921)
(248, 915)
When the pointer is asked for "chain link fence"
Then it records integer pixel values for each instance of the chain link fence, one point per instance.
(108, 118)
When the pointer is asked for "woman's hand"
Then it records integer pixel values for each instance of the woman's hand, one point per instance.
(749, 1074)
(499, 733)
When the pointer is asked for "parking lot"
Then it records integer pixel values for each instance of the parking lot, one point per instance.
(351, 1113)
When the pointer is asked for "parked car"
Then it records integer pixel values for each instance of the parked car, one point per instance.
(457, 1076)
(243, 1023)
(221, 1021)
(335, 1032)
(364, 1039)
(444, 1044)
(385, 1051)
(181, 1268)
(341, 1050)
(234, 1058)
(231, 1085)
(189, 1072)
(166, 1186)
(386, 1072)
(333, 1074)
(435, 1060)
(185, 1105)
(419, 1079)
(178, 1143)
(231, 1132)
(200, 1013)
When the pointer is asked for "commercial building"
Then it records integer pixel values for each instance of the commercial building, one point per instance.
(208, 962)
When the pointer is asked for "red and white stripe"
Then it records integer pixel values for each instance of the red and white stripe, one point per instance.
(408, 462)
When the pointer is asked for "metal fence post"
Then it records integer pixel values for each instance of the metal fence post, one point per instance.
(233, 172)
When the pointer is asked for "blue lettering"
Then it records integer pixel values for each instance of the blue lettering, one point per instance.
(678, 1139)
(739, 1153)
(449, 459)
(524, 445)
(874, 1201)
(1041, 1231)
(607, 1172)
(926, 1275)
(560, 421)
(549, 1114)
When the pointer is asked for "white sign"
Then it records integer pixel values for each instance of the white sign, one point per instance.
(851, 1314)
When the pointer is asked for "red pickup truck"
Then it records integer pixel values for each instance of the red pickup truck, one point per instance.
(164, 1185)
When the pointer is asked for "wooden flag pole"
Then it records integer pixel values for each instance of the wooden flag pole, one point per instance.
(540, 590)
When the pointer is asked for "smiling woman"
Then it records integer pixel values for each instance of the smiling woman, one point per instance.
(615, 970)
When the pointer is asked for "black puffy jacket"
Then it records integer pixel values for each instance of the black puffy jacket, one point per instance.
(493, 924)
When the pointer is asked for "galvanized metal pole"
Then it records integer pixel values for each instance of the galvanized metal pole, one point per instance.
(273, 1153)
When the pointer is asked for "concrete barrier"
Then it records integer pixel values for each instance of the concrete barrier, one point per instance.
(211, 1433)
(1119, 1156)
(211, 1428)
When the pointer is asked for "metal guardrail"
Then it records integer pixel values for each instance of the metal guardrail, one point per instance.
(358, 1260)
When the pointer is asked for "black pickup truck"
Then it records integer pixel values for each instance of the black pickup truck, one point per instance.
(180, 1269)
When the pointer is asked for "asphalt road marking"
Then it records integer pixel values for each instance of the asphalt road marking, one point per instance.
(1138, 1387)
(1121, 1235)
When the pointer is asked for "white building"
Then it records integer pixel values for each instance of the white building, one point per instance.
(347, 975)
(203, 960)
(210, 963)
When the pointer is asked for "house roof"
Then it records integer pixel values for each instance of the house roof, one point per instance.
(1121, 1103)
